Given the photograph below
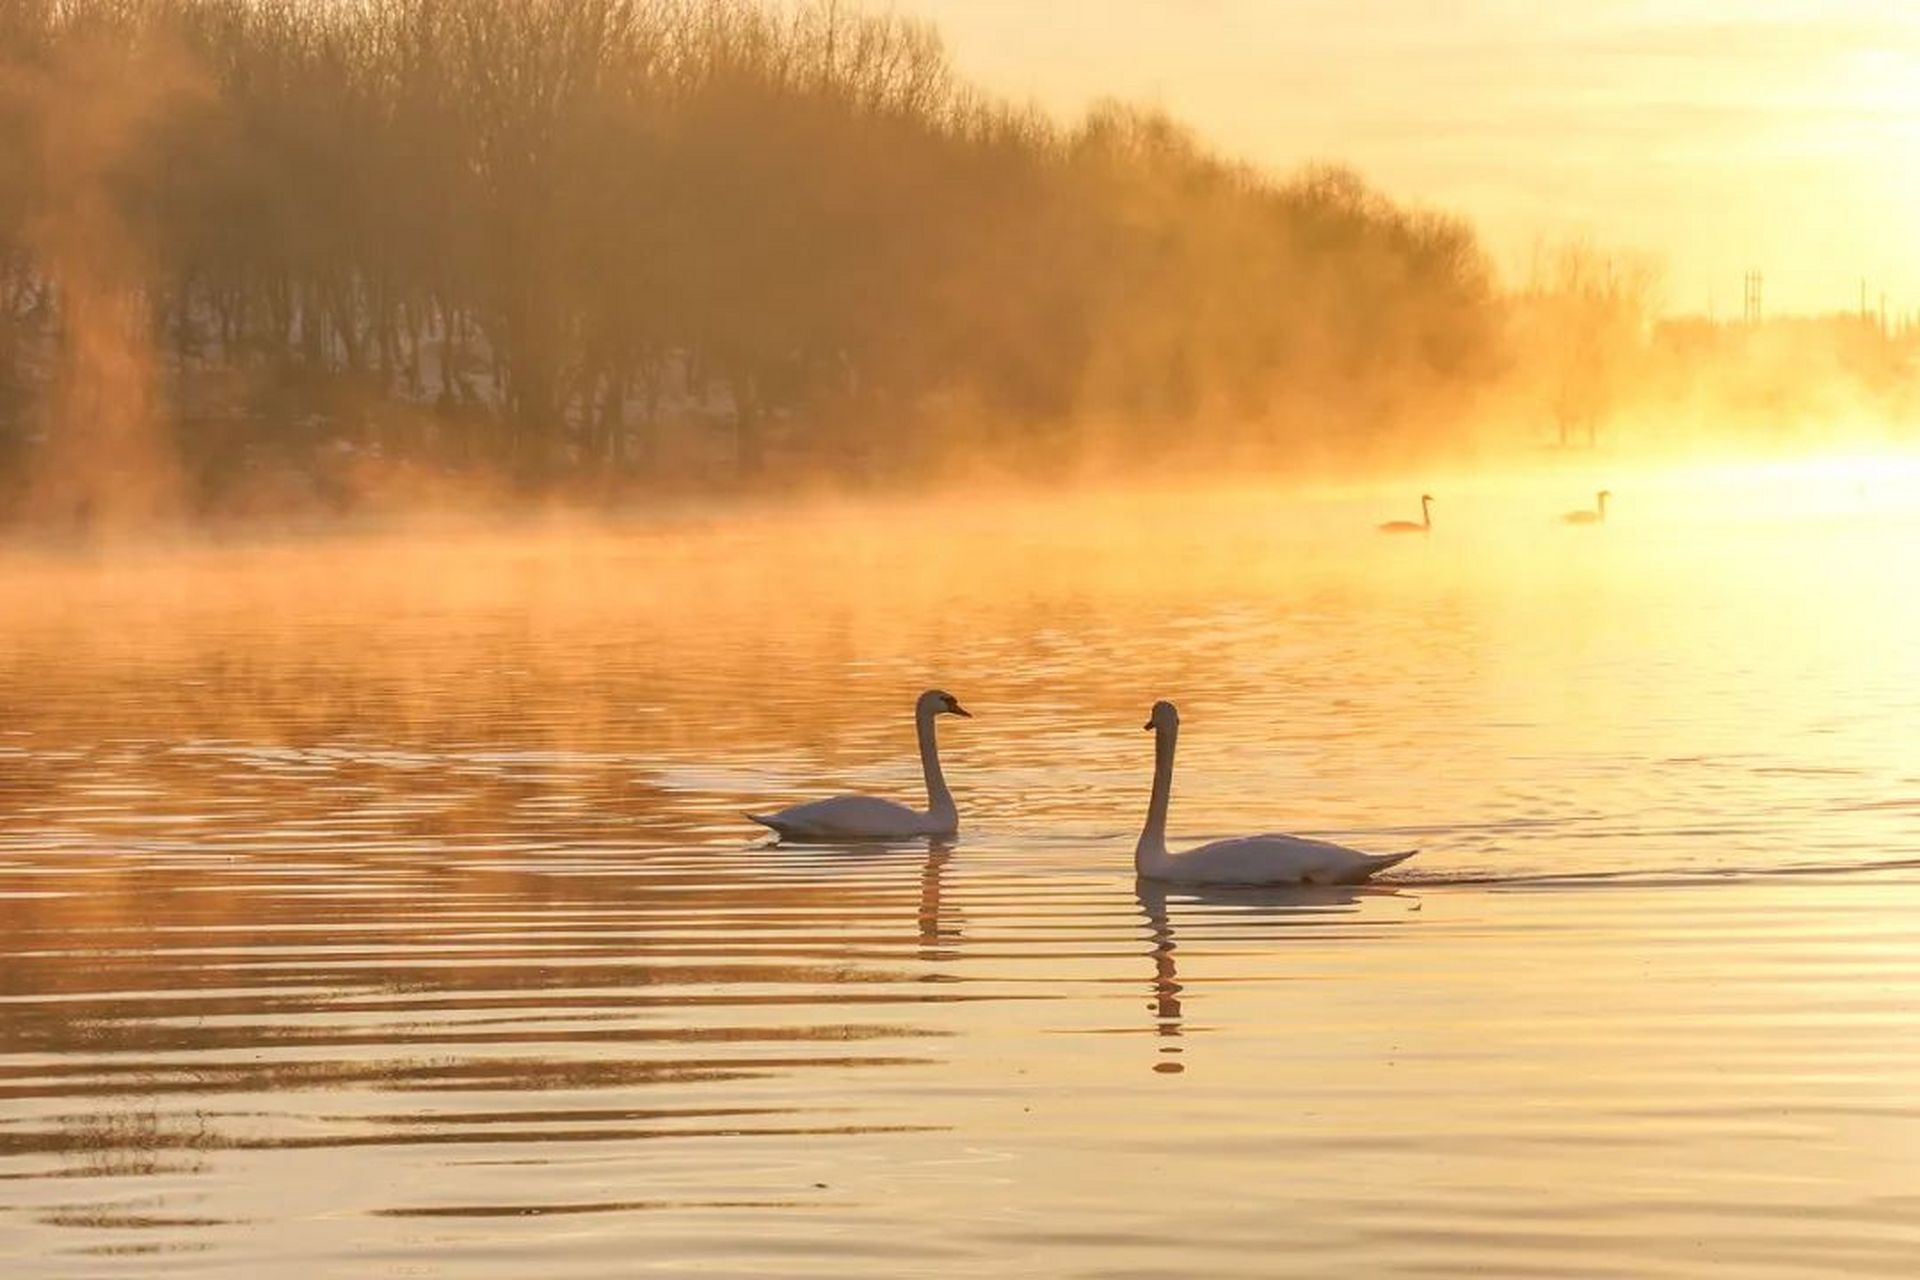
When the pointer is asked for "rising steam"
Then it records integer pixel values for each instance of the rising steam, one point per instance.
(260, 258)
(107, 462)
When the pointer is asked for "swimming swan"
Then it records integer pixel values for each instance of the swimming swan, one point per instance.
(1408, 526)
(871, 818)
(1596, 516)
(1248, 860)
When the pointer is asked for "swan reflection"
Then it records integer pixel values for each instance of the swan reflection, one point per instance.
(938, 937)
(1264, 906)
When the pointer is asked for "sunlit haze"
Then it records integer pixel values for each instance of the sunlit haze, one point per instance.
(947, 638)
(1779, 136)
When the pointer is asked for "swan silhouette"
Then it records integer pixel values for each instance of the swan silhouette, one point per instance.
(870, 817)
(1424, 525)
(1596, 516)
(1246, 860)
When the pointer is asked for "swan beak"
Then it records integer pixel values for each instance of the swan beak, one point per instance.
(1148, 726)
(961, 711)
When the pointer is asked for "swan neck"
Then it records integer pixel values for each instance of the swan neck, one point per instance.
(939, 799)
(1426, 513)
(1153, 837)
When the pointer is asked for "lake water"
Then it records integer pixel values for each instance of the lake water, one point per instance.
(380, 906)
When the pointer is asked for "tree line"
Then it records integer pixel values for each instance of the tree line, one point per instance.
(565, 238)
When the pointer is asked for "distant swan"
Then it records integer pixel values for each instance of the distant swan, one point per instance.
(1407, 526)
(1248, 860)
(1596, 516)
(871, 818)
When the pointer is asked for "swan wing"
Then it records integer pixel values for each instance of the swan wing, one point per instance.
(1277, 859)
(847, 818)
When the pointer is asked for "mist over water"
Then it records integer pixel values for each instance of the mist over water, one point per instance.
(382, 900)
(276, 264)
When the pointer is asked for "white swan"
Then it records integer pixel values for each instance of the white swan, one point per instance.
(871, 818)
(1248, 860)
(1596, 516)
(1407, 526)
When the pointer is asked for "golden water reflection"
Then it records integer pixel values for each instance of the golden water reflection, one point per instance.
(387, 899)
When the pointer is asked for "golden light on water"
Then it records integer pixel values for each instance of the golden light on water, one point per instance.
(425, 846)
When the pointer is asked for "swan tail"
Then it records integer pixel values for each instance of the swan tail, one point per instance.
(771, 824)
(1385, 860)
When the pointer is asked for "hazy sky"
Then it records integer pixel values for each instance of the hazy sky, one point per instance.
(1777, 134)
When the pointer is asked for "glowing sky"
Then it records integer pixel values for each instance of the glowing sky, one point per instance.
(1777, 134)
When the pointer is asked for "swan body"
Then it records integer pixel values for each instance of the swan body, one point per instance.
(1423, 525)
(1267, 859)
(856, 818)
(1245, 860)
(870, 817)
(1596, 516)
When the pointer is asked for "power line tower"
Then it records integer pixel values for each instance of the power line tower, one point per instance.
(1752, 309)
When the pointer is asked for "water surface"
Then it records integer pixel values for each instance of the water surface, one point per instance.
(381, 906)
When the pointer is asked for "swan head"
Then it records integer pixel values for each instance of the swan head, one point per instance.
(1163, 716)
(938, 702)
(1425, 498)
